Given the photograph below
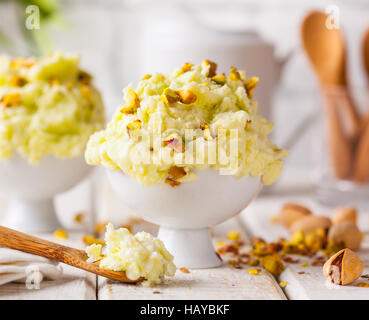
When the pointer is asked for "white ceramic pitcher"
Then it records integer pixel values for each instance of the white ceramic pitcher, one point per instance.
(168, 41)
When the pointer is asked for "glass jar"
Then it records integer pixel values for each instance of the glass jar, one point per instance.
(341, 150)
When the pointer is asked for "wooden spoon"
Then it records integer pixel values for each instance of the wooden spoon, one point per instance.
(339, 144)
(326, 51)
(74, 257)
(361, 165)
(366, 52)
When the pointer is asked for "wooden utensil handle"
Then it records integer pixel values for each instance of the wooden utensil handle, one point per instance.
(339, 144)
(361, 164)
(352, 113)
(20, 241)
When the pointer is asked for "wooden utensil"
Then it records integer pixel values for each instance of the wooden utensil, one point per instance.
(361, 165)
(326, 51)
(74, 257)
(340, 146)
(365, 48)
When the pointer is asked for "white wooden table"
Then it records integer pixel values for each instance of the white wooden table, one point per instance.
(220, 283)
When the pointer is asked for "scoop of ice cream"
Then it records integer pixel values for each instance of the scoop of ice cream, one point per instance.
(139, 255)
(48, 106)
(190, 119)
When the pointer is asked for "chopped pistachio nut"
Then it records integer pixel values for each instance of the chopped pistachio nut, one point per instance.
(235, 263)
(220, 244)
(273, 264)
(146, 77)
(169, 96)
(60, 234)
(89, 240)
(18, 81)
(86, 92)
(250, 86)
(254, 262)
(176, 172)
(253, 272)
(54, 82)
(212, 67)
(132, 102)
(186, 96)
(79, 218)
(184, 270)
(12, 99)
(172, 182)
(233, 235)
(297, 237)
(135, 125)
(219, 78)
(100, 227)
(174, 140)
(234, 75)
(305, 264)
(21, 62)
(84, 77)
(283, 284)
(186, 67)
(206, 132)
(362, 284)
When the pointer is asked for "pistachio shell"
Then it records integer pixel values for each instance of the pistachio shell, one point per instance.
(311, 224)
(290, 213)
(351, 267)
(346, 232)
(344, 214)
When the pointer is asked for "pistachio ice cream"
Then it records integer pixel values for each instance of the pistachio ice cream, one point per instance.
(139, 256)
(191, 119)
(48, 106)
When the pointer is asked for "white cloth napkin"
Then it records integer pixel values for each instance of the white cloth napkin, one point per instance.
(18, 266)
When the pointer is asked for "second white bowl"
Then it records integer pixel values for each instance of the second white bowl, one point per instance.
(31, 188)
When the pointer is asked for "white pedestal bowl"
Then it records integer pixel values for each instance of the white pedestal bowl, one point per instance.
(185, 213)
(31, 188)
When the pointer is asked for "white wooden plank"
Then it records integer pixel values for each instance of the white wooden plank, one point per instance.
(303, 282)
(221, 283)
(75, 284)
(313, 285)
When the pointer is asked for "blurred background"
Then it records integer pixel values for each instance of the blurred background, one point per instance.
(121, 40)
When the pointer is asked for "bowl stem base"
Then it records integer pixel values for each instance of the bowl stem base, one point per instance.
(31, 216)
(191, 248)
